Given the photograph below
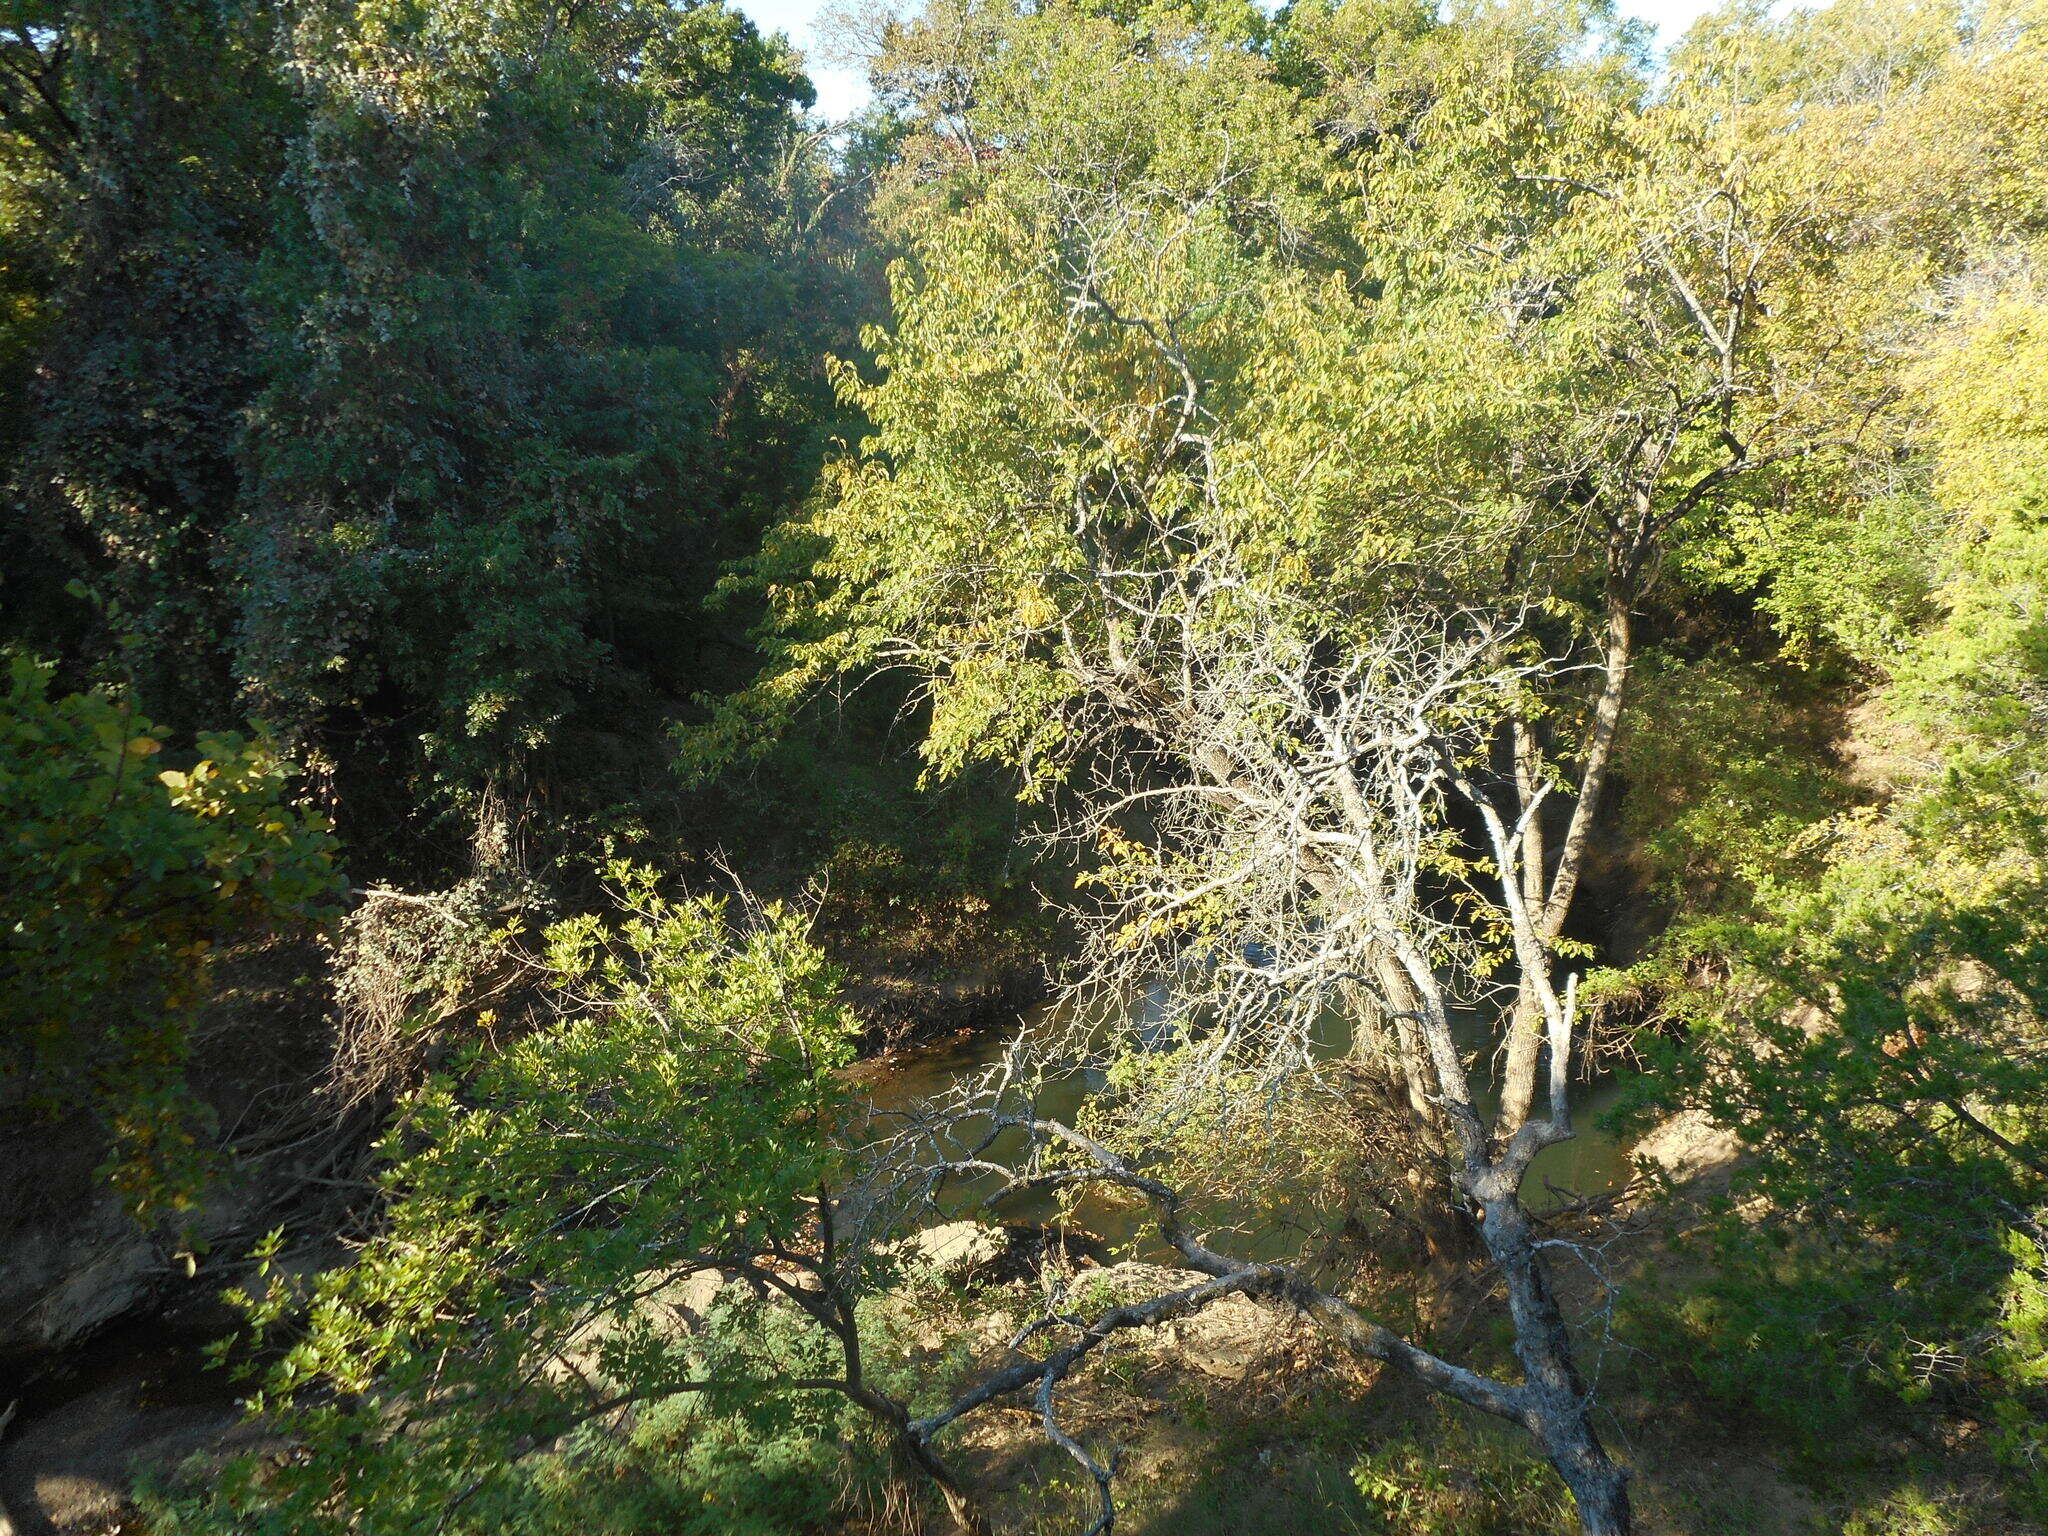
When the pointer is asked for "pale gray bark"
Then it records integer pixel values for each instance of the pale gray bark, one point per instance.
(1551, 1402)
(1549, 892)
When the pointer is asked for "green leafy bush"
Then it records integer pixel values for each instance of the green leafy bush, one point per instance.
(119, 880)
(745, 1462)
(673, 1118)
(1462, 1479)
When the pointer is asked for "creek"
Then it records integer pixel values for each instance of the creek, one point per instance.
(140, 1389)
(1592, 1163)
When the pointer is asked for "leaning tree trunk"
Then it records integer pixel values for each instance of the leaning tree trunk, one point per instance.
(1559, 1409)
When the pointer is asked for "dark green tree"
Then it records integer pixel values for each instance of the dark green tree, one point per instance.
(501, 346)
(139, 142)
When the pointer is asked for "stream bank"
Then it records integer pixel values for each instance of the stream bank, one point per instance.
(136, 1397)
(1593, 1162)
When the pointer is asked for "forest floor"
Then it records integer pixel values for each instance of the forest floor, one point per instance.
(1282, 1437)
(1241, 1424)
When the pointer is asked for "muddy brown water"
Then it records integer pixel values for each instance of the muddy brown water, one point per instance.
(1592, 1163)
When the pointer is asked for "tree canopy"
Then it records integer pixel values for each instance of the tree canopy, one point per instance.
(1431, 564)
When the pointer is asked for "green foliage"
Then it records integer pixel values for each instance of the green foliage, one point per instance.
(1871, 1014)
(119, 879)
(1462, 1479)
(701, 1466)
(1425, 353)
(1729, 764)
(1387, 303)
(911, 875)
(2017, 1365)
(493, 346)
(141, 142)
(404, 373)
(991, 398)
(1768, 1334)
(675, 1116)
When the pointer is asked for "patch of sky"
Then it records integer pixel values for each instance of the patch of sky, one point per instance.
(843, 90)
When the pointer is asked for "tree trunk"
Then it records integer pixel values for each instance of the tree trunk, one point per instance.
(1525, 1032)
(1393, 1083)
(917, 1459)
(1518, 1074)
(1602, 1498)
(1559, 1410)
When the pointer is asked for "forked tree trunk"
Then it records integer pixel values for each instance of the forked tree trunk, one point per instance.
(1554, 890)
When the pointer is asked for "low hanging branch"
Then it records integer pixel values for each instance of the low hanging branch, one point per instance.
(1551, 1403)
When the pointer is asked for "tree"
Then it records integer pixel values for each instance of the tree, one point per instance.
(1296, 799)
(1609, 326)
(1092, 525)
(141, 144)
(675, 1118)
(495, 367)
(121, 880)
